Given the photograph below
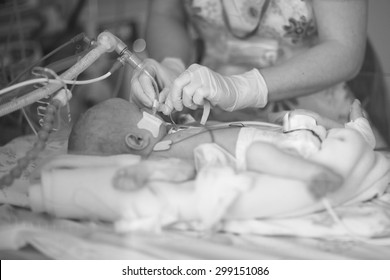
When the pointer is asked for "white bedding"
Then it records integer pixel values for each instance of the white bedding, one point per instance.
(313, 236)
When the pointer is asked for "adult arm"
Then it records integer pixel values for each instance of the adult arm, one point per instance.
(170, 48)
(166, 31)
(337, 57)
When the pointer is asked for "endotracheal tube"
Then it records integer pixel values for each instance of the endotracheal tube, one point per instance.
(134, 61)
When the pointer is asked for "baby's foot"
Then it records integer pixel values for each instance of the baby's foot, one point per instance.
(324, 183)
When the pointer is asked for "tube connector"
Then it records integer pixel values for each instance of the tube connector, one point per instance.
(107, 40)
(63, 96)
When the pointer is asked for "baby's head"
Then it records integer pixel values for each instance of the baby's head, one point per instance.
(116, 126)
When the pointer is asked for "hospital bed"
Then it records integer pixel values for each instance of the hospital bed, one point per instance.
(25, 234)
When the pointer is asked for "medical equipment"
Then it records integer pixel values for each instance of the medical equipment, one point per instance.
(166, 144)
(134, 61)
(150, 123)
(106, 42)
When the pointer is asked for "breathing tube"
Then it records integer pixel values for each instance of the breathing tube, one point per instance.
(104, 44)
(135, 62)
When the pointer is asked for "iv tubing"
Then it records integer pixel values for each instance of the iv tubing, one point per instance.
(71, 73)
(43, 80)
(134, 61)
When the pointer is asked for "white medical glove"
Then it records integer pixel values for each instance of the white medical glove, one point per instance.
(144, 89)
(199, 83)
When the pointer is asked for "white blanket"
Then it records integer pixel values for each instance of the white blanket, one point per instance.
(364, 208)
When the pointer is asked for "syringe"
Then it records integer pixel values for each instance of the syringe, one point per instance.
(134, 61)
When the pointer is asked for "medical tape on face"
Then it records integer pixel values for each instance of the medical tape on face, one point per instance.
(150, 123)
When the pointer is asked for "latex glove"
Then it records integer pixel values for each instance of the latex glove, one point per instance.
(144, 89)
(199, 83)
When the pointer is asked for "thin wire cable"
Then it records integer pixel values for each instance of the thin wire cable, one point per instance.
(30, 123)
(51, 72)
(90, 81)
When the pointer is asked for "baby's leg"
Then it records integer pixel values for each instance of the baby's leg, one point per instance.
(267, 158)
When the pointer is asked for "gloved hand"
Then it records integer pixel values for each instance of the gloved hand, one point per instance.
(199, 83)
(143, 88)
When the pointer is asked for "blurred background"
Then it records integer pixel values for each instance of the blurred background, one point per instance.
(31, 29)
(379, 33)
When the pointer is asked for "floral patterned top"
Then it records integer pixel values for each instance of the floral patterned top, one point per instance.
(239, 35)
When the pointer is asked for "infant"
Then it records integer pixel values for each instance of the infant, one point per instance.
(307, 159)
(117, 126)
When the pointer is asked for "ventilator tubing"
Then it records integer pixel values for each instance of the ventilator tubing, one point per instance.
(104, 44)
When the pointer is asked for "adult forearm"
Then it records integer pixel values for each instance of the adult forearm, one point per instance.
(312, 71)
(167, 35)
(342, 35)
